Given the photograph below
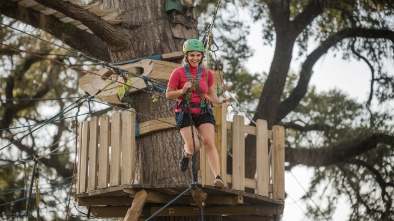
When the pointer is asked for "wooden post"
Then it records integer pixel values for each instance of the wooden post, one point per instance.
(115, 149)
(136, 207)
(238, 177)
(128, 146)
(83, 172)
(278, 163)
(262, 161)
(104, 152)
(92, 177)
(223, 149)
(79, 152)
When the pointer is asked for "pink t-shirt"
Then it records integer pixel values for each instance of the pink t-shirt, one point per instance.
(179, 78)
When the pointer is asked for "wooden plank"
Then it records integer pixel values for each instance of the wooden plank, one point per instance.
(104, 152)
(250, 183)
(157, 197)
(66, 19)
(262, 160)
(223, 149)
(83, 173)
(157, 125)
(238, 178)
(114, 211)
(169, 56)
(59, 15)
(48, 11)
(262, 210)
(105, 201)
(219, 210)
(79, 153)
(252, 130)
(249, 129)
(128, 147)
(82, 27)
(114, 179)
(93, 135)
(38, 7)
(136, 208)
(99, 11)
(27, 3)
(278, 163)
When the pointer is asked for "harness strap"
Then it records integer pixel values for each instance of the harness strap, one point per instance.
(186, 103)
(196, 82)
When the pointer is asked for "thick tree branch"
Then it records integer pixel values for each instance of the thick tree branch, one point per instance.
(342, 152)
(68, 33)
(310, 12)
(107, 32)
(306, 128)
(300, 90)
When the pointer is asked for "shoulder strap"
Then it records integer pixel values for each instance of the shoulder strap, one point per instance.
(190, 79)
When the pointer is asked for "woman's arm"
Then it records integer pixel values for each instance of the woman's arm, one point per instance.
(212, 97)
(172, 93)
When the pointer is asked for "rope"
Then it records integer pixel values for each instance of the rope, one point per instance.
(176, 198)
(194, 171)
(44, 123)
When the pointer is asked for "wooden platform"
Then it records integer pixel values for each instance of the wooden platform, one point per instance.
(110, 183)
(115, 201)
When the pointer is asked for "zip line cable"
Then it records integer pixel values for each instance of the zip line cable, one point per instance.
(68, 49)
(306, 214)
(318, 208)
(126, 109)
(38, 99)
(60, 118)
(44, 123)
(119, 70)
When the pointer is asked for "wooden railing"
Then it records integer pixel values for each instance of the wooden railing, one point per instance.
(102, 167)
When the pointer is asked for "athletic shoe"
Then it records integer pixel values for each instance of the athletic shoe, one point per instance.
(184, 162)
(218, 182)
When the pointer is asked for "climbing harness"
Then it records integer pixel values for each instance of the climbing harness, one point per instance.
(185, 104)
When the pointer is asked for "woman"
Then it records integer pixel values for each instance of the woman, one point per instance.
(193, 91)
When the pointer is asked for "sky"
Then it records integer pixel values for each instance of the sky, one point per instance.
(352, 77)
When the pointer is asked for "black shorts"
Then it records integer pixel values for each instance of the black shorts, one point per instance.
(197, 119)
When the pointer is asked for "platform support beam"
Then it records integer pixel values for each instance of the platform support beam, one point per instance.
(136, 208)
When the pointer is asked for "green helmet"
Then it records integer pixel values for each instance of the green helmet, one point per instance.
(193, 45)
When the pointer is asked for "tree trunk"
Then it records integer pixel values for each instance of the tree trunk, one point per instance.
(152, 32)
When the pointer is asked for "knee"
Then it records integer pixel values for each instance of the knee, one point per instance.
(209, 144)
(190, 146)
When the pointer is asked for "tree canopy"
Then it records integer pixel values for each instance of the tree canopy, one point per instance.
(349, 144)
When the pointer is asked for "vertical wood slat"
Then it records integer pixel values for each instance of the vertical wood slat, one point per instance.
(103, 162)
(262, 161)
(238, 177)
(217, 111)
(115, 149)
(93, 136)
(278, 163)
(79, 156)
(83, 173)
(203, 167)
(223, 149)
(128, 147)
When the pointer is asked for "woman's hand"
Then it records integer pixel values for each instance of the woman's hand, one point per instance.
(186, 87)
(223, 100)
